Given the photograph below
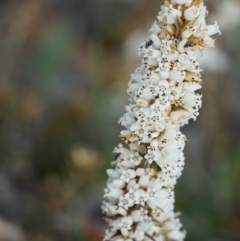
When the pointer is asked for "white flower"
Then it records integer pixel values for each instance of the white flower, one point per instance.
(208, 41)
(153, 53)
(113, 174)
(108, 235)
(168, 15)
(112, 192)
(151, 193)
(114, 224)
(125, 225)
(140, 172)
(126, 202)
(156, 41)
(138, 234)
(179, 117)
(135, 159)
(127, 175)
(193, 12)
(176, 235)
(110, 209)
(154, 78)
(181, 45)
(118, 184)
(213, 29)
(139, 215)
(139, 198)
(143, 181)
(175, 74)
(192, 87)
(153, 155)
(161, 104)
(131, 184)
(189, 32)
(155, 28)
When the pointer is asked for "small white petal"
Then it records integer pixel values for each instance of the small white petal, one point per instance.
(181, 45)
(118, 183)
(156, 41)
(213, 29)
(143, 181)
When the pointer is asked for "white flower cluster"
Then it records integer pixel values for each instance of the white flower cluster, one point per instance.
(139, 198)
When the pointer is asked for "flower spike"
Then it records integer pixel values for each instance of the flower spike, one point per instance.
(139, 198)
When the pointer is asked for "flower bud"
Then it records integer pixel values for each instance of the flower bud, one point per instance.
(156, 41)
(143, 181)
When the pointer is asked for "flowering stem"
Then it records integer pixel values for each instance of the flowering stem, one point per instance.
(139, 198)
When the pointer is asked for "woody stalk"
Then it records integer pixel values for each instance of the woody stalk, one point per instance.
(139, 199)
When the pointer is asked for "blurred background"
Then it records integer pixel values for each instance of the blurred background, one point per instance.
(64, 69)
